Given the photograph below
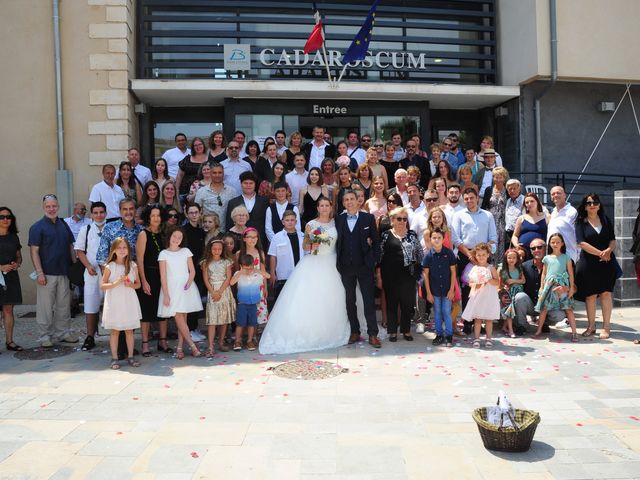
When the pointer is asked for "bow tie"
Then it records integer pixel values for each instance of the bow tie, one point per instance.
(352, 217)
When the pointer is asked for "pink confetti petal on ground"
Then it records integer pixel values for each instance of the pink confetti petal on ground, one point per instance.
(194, 455)
(136, 398)
(579, 425)
(532, 389)
(585, 376)
(118, 433)
(167, 386)
(285, 394)
(202, 418)
(456, 396)
(43, 405)
(635, 418)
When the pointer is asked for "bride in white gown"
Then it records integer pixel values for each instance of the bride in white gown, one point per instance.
(311, 312)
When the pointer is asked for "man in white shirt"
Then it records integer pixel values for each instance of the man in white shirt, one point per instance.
(297, 178)
(415, 205)
(77, 220)
(86, 248)
(108, 192)
(419, 222)
(177, 153)
(353, 148)
(317, 150)
(563, 219)
(281, 136)
(239, 136)
(453, 205)
(234, 166)
(401, 178)
(273, 217)
(141, 174)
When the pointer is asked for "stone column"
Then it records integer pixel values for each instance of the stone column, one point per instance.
(112, 58)
(626, 292)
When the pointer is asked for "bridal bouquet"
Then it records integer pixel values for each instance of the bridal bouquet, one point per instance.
(318, 235)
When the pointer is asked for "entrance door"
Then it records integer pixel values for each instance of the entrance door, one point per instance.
(337, 127)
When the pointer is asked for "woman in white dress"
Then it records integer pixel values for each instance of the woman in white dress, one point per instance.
(179, 295)
(311, 312)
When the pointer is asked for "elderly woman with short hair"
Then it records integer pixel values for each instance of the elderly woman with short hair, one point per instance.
(397, 272)
(495, 201)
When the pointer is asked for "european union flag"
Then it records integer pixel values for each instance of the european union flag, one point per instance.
(360, 43)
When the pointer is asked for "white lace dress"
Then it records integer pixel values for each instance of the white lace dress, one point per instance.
(311, 312)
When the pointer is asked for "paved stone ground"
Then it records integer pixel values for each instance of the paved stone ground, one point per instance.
(402, 412)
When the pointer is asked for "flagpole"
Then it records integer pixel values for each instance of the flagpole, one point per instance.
(342, 73)
(324, 52)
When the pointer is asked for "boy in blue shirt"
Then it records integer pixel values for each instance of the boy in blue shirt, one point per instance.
(439, 272)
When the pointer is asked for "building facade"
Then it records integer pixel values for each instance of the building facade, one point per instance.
(135, 72)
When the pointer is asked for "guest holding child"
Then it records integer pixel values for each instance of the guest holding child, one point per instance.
(483, 304)
(249, 281)
(439, 273)
(221, 307)
(121, 310)
(557, 285)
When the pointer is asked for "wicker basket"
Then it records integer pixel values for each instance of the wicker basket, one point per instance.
(507, 439)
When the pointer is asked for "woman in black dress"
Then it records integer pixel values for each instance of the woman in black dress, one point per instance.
(309, 196)
(398, 271)
(10, 262)
(596, 268)
(148, 246)
(189, 167)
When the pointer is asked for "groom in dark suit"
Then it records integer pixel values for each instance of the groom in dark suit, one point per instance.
(356, 248)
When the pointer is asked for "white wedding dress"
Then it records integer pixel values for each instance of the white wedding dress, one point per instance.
(311, 312)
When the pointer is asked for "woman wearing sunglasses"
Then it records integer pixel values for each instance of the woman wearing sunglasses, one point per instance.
(596, 267)
(398, 271)
(10, 262)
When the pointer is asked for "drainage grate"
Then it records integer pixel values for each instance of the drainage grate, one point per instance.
(308, 370)
(44, 353)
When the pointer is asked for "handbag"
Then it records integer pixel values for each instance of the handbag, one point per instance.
(76, 272)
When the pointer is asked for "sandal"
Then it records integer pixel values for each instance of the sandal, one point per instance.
(604, 334)
(133, 362)
(166, 349)
(146, 354)
(179, 353)
(237, 347)
(408, 337)
(589, 332)
(574, 337)
(115, 364)
(393, 338)
(210, 353)
(488, 344)
(194, 351)
(476, 344)
(14, 347)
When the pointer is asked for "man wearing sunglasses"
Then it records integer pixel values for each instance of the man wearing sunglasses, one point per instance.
(215, 197)
(525, 301)
(234, 166)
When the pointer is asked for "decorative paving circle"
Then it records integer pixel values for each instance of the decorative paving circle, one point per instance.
(44, 353)
(308, 370)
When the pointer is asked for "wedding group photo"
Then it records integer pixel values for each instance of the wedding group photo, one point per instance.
(273, 237)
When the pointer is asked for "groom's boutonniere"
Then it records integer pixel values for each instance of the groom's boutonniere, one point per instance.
(319, 236)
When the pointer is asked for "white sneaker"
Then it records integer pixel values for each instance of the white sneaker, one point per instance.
(564, 323)
(420, 328)
(196, 336)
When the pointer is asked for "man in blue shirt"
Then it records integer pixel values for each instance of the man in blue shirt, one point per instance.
(125, 227)
(439, 273)
(470, 227)
(51, 247)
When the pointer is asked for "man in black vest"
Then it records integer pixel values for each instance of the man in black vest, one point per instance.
(256, 205)
(356, 248)
(273, 216)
